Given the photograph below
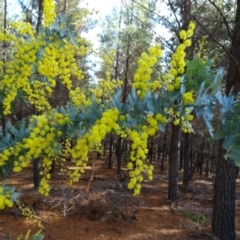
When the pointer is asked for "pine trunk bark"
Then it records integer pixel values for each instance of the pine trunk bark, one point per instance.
(201, 158)
(174, 149)
(181, 155)
(164, 151)
(173, 164)
(36, 172)
(186, 159)
(40, 15)
(119, 155)
(223, 222)
(110, 151)
(207, 160)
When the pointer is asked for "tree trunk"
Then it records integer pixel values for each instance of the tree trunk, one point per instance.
(36, 172)
(233, 74)
(110, 151)
(201, 158)
(40, 14)
(150, 149)
(127, 61)
(181, 154)
(223, 222)
(174, 150)
(119, 155)
(213, 159)
(207, 160)
(173, 164)
(52, 169)
(186, 159)
(191, 151)
(196, 163)
(164, 152)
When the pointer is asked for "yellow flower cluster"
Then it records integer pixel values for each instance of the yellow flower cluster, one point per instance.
(201, 48)
(7, 36)
(188, 98)
(5, 198)
(60, 160)
(144, 71)
(28, 213)
(138, 153)
(178, 62)
(37, 55)
(61, 63)
(160, 118)
(153, 125)
(92, 139)
(81, 50)
(105, 87)
(67, 64)
(63, 156)
(121, 131)
(48, 66)
(107, 59)
(152, 121)
(44, 187)
(78, 98)
(4, 156)
(23, 28)
(106, 84)
(28, 237)
(137, 164)
(183, 120)
(49, 12)
(37, 95)
(41, 141)
(184, 35)
(18, 71)
(155, 85)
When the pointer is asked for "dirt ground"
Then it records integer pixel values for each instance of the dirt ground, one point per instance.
(105, 209)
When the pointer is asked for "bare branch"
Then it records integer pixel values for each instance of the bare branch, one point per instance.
(223, 17)
(164, 42)
(161, 17)
(172, 8)
(217, 42)
(40, 14)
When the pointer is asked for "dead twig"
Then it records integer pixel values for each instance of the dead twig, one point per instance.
(91, 178)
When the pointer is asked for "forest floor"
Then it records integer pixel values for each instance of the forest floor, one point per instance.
(105, 209)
